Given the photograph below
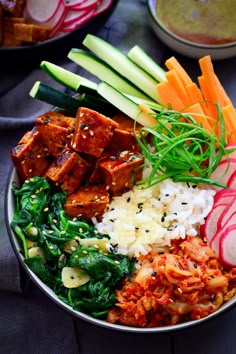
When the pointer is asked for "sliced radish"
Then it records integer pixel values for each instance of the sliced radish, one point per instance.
(86, 5)
(215, 242)
(103, 5)
(57, 21)
(79, 22)
(210, 228)
(228, 246)
(224, 171)
(232, 181)
(72, 3)
(42, 11)
(74, 16)
(226, 214)
(224, 196)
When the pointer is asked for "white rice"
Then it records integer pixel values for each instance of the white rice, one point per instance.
(142, 219)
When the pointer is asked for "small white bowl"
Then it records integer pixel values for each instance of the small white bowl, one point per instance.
(185, 47)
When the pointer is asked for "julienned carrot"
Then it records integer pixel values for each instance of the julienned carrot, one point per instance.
(207, 96)
(196, 96)
(215, 88)
(173, 63)
(169, 96)
(176, 83)
(196, 111)
(229, 115)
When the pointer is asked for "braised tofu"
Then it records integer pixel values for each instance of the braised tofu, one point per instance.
(124, 135)
(87, 202)
(93, 131)
(68, 171)
(8, 23)
(119, 171)
(30, 157)
(56, 130)
(31, 33)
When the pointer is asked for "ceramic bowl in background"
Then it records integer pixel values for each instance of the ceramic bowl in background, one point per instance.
(184, 46)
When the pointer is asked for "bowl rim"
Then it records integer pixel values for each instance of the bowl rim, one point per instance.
(151, 9)
(8, 197)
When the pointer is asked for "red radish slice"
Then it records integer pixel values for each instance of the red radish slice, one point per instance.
(79, 22)
(215, 242)
(228, 246)
(223, 172)
(86, 5)
(103, 5)
(74, 16)
(57, 21)
(210, 228)
(72, 3)
(232, 181)
(42, 11)
(224, 196)
(226, 214)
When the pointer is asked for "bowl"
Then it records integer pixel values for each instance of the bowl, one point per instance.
(184, 46)
(9, 212)
(56, 47)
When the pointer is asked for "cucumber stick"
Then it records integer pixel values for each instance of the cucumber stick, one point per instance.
(54, 97)
(101, 70)
(144, 61)
(67, 78)
(125, 104)
(123, 65)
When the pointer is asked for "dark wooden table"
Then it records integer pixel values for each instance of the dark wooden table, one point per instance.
(29, 321)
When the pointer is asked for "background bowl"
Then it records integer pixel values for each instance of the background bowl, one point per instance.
(9, 212)
(56, 47)
(186, 47)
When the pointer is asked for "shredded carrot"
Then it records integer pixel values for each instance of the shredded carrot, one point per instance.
(145, 109)
(173, 63)
(176, 83)
(169, 96)
(229, 115)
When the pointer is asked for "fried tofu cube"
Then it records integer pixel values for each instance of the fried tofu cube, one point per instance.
(30, 157)
(121, 170)
(31, 33)
(93, 131)
(124, 135)
(87, 202)
(1, 26)
(56, 130)
(9, 39)
(67, 171)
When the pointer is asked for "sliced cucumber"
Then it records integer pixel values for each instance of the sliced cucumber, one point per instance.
(123, 65)
(125, 104)
(46, 93)
(50, 95)
(67, 78)
(101, 70)
(144, 61)
(151, 104)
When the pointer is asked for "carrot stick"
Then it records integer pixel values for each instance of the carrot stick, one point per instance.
(169, 96)
(215, 88)
(176, 83)
(207, 96)
(196, 111)
(229, 115)
(221, 91)
(173, 63)
(196, 96)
